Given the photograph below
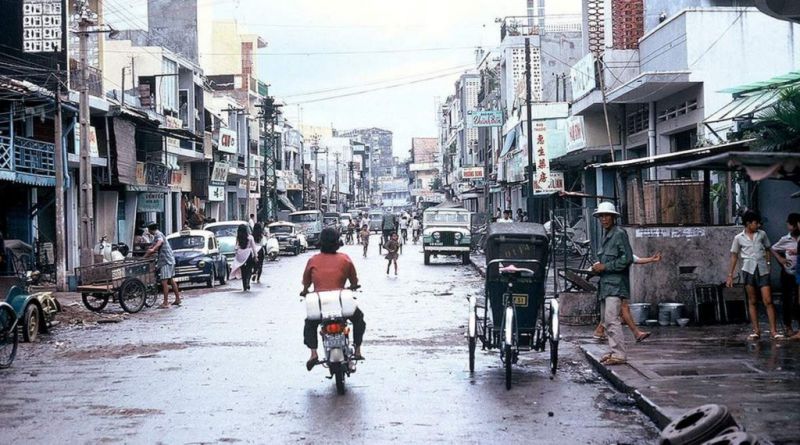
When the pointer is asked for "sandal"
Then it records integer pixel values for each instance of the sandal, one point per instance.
(779, 337)
(612, 361)
(754, 336)
(605, 357)
(163, 306)
(642, 337)
(177, 302)
(311, 363)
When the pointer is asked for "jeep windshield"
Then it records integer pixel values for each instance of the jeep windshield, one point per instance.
(445, 218)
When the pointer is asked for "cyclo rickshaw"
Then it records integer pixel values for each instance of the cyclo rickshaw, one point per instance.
(515, 315)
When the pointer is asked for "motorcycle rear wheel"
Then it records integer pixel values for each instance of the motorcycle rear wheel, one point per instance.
(338, 373)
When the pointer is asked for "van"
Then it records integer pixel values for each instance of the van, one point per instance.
(310, 223)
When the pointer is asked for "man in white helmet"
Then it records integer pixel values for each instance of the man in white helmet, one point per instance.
(613, 266)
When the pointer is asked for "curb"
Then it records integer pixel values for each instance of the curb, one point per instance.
(647, 406)
(481, 270)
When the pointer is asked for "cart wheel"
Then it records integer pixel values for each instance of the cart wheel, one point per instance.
(508, 353)
(30, 323)
(427, 258)
(94, 302)
(9, 337)
(132, 295)
(152, 295)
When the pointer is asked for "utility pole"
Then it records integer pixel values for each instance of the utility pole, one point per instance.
(351, 166)
(529, 120)
(338, 194)
(269, 196)
(86, 18)
(61, 261)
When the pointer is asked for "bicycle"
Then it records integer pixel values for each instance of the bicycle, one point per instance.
(9, 335)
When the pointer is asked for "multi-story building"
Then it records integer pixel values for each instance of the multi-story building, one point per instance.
(423, 169)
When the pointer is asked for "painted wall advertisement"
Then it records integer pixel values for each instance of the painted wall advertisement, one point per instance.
(576, 137)
(582, 76)
(477, 119)
(227, 141)
(151, 202)
(542, 162)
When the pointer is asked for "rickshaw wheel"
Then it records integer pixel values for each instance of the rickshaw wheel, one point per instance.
(9, 338)
(132, 295)
(508, 359)
(472, 343)
(94, 302)
(152, 296)
(30, 323)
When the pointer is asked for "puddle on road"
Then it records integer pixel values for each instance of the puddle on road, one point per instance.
(119, 351)
(104, 410)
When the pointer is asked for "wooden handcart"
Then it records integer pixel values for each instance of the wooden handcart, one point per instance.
(131, 282)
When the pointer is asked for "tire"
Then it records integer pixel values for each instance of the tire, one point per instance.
(472, 344)
(95, 302)
(554, 332)
(553, 356)
(152, 296)
(30, 323)
(465, 259)
(9, 336)
(224, 277)
(211, 279)
(697, 425)
(338, 373)
(427, 258)
(508, 353)
(132, 294)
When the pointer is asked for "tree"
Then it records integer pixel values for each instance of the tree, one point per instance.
(436, 183)
(778, 129)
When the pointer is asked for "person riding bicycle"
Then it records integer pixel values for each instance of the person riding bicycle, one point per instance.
(404, 227)
(415, 228)
(330, 270)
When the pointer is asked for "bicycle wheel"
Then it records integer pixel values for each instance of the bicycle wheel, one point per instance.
(9, 339)
(132, 295)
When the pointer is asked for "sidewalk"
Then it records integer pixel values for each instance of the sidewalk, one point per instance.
(677, 369)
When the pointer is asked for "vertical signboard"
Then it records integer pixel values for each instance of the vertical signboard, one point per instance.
(576, 137)
(542, 163)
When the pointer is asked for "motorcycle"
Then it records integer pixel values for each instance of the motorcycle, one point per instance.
(272, 248)
(332, 308)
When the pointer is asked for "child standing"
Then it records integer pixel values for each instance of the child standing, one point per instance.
(392, 247)
(363, 235)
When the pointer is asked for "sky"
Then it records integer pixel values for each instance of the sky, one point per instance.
(343, 47)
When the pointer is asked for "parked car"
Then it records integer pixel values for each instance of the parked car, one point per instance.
(289, 237)
(447, 232)
(310, 224)
(344, 220)
(198, 258)
(225, 232)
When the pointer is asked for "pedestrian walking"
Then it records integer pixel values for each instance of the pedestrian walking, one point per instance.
(388, 226)
(613, 267)
(363, 235)
(638, 334)
(165, 262)
(391, 248)
(252, 221)
(788, 262)
(752, 245)
(261, 241)
(245, 257)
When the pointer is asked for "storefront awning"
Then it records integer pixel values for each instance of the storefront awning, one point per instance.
(758, 165)
(509, 142)
(751, 98)
(672, 158)
(285, 201)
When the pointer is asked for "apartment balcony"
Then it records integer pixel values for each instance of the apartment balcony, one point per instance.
(95, 79)
(27, 161)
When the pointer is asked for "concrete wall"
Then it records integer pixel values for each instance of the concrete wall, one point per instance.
(173, 25)
(775, 203)
(659, 282)
(654, 8)
(559, 51)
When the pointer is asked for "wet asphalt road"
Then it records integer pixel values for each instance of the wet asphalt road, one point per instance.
(228, 367)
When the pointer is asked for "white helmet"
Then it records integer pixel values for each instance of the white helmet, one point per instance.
(606, 208)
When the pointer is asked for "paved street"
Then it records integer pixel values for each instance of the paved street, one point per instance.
(229, 367)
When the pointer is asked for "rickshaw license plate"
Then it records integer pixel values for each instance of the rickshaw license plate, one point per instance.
(520, 300)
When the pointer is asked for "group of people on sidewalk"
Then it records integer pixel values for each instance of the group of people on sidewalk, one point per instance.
(752, 246)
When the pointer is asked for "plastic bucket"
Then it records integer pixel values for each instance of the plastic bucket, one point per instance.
(669, 313)
(640, 312)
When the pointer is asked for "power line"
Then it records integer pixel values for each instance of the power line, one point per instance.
(335, 53)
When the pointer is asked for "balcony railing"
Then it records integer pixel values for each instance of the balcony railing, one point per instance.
(95, 79)
(27, 156)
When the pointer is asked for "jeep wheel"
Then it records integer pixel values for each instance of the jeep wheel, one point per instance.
(427, 258)
(465, 258)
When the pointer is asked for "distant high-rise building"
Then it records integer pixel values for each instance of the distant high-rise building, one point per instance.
(380, 141)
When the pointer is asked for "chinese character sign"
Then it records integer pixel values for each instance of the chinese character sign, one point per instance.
(542, 177)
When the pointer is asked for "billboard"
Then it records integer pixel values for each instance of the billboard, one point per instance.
(556, 184)
(576, 137)
(491, 118)
(582, 76)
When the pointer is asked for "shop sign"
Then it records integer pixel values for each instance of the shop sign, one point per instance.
(219, 174)
(172, 122)
(556, 184)
(253, 184)
(227, 141)
(156, 174)
(542, 162)
(472, 172)
(92, 141)
(151, 202)
(490, 118)
(140, 172)
(582, 76)
(216, 193)
(172, 144)
(182, 179)
(576, 138)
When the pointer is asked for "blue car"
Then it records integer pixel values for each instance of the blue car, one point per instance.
(198, 258)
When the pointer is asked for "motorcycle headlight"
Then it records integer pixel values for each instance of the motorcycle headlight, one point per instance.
(436, 235)
(201, 264)
(458, 236)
